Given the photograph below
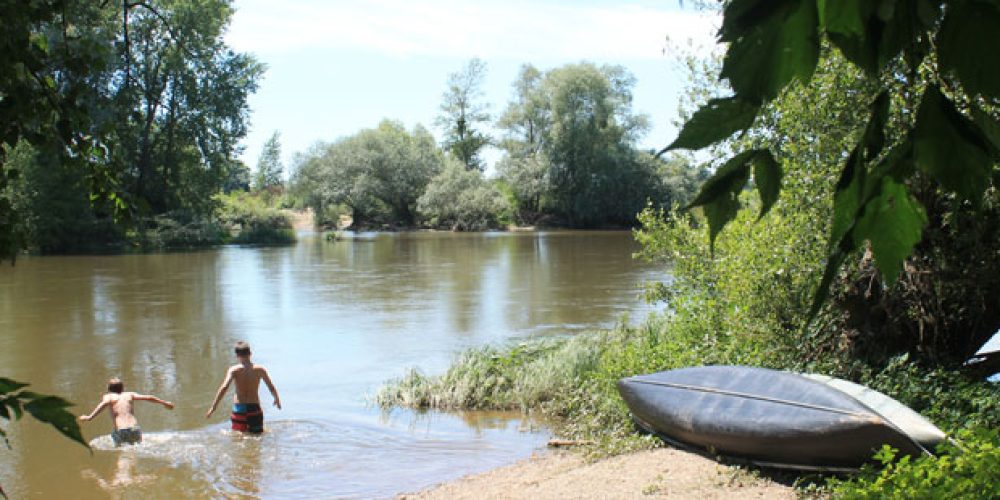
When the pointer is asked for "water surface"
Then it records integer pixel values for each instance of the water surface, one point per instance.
(331, 321)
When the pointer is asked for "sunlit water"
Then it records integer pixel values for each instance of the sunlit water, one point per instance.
(331, 321)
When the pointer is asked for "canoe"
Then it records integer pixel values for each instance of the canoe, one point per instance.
(775, 418)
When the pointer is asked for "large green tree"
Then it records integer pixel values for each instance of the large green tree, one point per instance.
(377, 173)
(464, 116)
(590, 141)
(180, 96)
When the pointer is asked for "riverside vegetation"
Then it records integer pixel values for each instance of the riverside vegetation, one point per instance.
(748, 295)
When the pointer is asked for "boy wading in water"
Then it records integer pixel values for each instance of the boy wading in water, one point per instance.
(247, 414)
(127, 429)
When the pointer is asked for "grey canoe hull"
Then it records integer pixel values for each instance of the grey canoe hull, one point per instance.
(765, 416)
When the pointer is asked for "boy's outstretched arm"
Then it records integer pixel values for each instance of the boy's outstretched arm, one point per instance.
(148, 397)
(270, 387)
(222, 390)
(100, 407)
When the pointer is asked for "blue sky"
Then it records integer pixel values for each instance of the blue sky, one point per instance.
(336, 67)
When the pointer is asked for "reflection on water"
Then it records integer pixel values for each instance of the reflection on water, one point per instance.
(331, 321)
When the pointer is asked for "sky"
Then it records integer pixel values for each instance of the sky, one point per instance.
(337, 67)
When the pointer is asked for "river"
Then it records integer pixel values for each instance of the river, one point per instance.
(330, 320)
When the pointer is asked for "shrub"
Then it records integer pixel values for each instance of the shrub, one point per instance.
(965, 469)
(249, 219)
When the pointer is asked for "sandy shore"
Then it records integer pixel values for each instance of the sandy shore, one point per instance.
(562, 474)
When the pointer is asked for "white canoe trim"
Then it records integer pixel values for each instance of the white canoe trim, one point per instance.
(905, 419)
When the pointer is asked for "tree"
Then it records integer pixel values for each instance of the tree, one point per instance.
(180, 101)
(463, 113)
(589, 142)
(269, 167)
(377, 173)
(527, 116)
(925, 60)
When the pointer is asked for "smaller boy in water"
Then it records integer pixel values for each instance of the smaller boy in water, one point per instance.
(247, 414)
(127, 429)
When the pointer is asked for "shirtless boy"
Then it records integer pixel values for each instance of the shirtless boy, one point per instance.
(247, 415)
(127, 429)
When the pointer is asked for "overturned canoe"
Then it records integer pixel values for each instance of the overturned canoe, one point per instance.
(774, 418)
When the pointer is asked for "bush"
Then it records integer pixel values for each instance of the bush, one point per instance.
(249, 219)
(966, 469)
(458, 198)
(178, 231)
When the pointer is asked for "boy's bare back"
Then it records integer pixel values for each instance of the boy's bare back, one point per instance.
(247, 378)
(120, 406)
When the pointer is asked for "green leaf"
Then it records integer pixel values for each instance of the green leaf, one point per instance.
(731, 176)
(720, 194)
(950, 147)
(846, 24)
(8, 386)
(966, 43)
(52, 410)
(893, 221)
(772, 43)
(767, 176)
(833, 263)
(847, 197)
(716, 120)
(989, 127)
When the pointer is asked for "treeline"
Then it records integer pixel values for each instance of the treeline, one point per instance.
(569, 158)
(122, 124)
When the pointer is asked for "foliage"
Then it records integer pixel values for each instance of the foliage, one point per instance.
(966, 469)
(462, 115)
(140, 104)
(527, 116)
(269, 167)
(50, 53)
(570, 139)
(526, 181)
(249, 219)
(907, 50)
(52, 200)
(378, 173)
(182, 230)
(459, 198)
(179, 99)
(44, 408)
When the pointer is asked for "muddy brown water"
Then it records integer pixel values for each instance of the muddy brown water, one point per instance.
(330, 320)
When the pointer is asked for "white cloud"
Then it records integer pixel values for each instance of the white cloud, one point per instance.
(452, 28)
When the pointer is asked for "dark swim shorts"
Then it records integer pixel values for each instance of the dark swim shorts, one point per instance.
(247, 417)
(128, 435)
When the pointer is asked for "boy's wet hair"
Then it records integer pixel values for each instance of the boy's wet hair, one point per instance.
(116, 385)
(242, 348)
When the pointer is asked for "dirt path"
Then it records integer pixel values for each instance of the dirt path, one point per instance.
(657, 473)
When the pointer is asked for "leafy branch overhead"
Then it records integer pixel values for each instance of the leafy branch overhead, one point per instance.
(934, 51)
(14, 402)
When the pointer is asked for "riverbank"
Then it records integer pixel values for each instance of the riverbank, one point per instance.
(664, 472)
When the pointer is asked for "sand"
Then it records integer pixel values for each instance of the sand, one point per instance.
(561, 474)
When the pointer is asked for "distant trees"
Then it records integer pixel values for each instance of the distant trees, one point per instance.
(463, 115)
(378, 174)
(568, 137)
